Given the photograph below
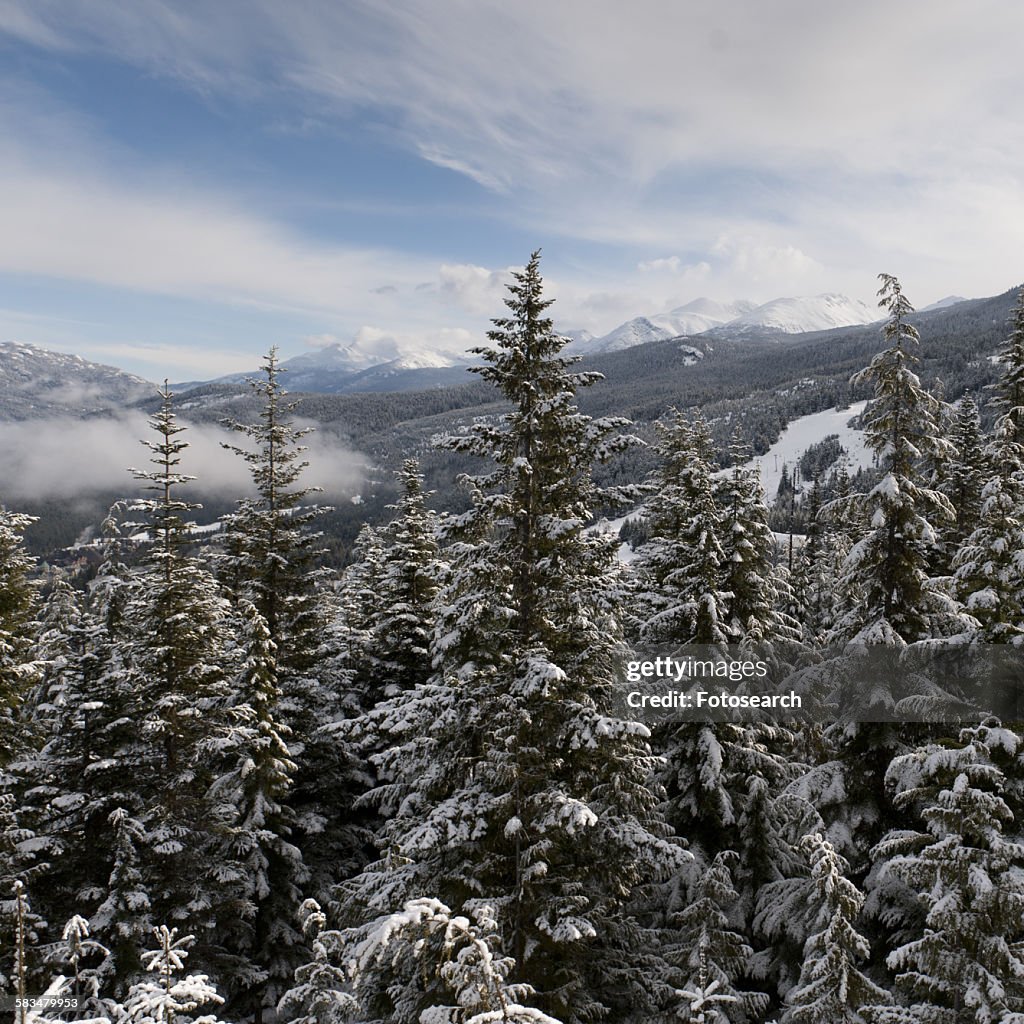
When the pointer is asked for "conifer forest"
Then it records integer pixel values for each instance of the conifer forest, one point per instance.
(237, 785)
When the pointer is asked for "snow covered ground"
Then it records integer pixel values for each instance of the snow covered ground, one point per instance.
(801, 433)
(798, 436)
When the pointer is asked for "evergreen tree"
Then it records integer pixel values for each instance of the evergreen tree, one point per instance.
(269, 546)
(886, 572)
(268, 560)
(514, 783)
(755, 614)
(319, 995)
(179, 669)
(257, 824)
(1009, 391)
(124, 917)
(683, 564)
(403, 625)
(969, 963)
(165, 998)
(831, 988)
(18, 603)
(965, 475)
(707, 950)
(988, 569)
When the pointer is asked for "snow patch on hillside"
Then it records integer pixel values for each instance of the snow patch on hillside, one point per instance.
(805, 431)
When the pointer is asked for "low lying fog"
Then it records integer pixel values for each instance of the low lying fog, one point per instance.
(67, 457)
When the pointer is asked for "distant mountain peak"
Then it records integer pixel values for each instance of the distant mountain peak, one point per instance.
(949, 300)
(796, 315)
(37, 382)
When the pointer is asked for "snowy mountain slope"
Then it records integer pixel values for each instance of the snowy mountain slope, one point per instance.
(797, 315)
(35, 382)
(949, 300)
(808, 430)
(808, 313)
(375, 365)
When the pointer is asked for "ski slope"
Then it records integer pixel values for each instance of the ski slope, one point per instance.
(801, 433)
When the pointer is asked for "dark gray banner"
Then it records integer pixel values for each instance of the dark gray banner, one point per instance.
(930, 682)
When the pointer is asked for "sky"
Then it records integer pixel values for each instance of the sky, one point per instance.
(184, 184)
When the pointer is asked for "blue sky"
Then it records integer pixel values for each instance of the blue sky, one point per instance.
(184, 184)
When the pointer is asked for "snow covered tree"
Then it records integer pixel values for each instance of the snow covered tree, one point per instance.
(426, 938)
(178, 660)
(886, 573)
(18, 603)
(1009, 400)
(831, 988)
(320, 994)
(964, 475)
(76, 960)
(682, 566)
(968, 966)
(256, 824)
(269, 560)
(269, 545)
(755, 613)
(124, 917)
(514, 784)
(403, 625)
(166, 998)
(707, 951)
(989, 569)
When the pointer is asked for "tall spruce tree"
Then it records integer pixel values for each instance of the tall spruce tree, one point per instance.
(268, 559)
(18, 602)
(755, 607)
(831, 987)
(683, 597)
(515, 784)
(886, 574)
(179, 666)
(988, 569)
(968, 966)
(256, 824)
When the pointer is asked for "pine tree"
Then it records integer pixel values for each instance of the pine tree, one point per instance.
(403, 626)
(965, 475)
(886, 572)
(831, 988)
(165, 998)
(124, 917)
(1009, 400)
(257, 824)
(988, 569)
(320, 994)
(683, 564)
(514, 783)
(179, 668)
(17, 630)
(755, 614)
(270, 548)
(269, 556)
(969, 963)
(707, 951)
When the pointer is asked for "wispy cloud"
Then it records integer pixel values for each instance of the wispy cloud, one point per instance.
(666, 150)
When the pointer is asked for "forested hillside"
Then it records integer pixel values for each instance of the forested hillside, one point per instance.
(238, 783)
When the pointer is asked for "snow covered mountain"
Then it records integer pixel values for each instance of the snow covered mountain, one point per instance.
(785, 316)
(809, 313)
(366, 365)
(35, 382)
(949, 300)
